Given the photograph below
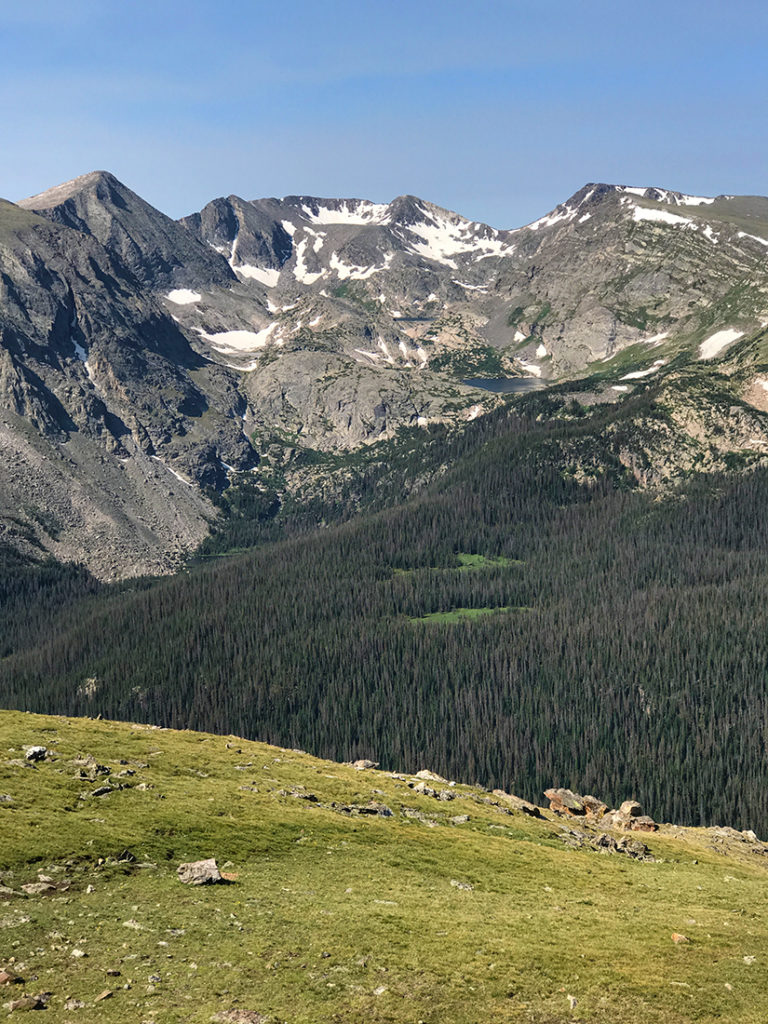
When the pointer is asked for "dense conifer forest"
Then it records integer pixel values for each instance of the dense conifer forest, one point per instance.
(601, 638)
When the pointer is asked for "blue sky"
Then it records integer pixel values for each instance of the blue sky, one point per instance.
(499, 109)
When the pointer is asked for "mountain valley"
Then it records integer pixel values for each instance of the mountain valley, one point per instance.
(271, 404)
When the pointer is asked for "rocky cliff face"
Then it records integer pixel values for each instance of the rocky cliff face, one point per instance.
(143, 360)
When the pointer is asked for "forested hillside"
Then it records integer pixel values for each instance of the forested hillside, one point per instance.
(600, 638)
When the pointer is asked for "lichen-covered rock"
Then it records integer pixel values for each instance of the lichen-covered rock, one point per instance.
(564, 801)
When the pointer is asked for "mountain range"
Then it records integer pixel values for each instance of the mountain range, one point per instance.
(147, 365)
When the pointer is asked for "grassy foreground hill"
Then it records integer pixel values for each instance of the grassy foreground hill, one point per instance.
(461, 909)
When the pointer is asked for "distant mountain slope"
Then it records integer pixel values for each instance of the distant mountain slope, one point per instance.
(255, 332)
(611, 267)
(152, 247)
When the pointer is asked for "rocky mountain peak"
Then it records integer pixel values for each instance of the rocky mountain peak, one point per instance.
(154, 248)
(101, 183)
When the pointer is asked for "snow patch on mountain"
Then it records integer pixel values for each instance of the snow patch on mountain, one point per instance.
(264, 275)
(344, 271)
(558, 215)
(385, 349)
(638, 374)
(238, 341)
(443, 237)
(178, 476)
(715, 343)
(359, 211)
(640, 213)
(471, 287)
(664, 195)
(533, 368)
(300, 271)
(183, 296)
(754, 238)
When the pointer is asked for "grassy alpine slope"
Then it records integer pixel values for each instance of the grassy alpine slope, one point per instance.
(345, 917)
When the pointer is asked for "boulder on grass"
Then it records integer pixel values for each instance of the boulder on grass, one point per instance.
(563, 801)
(200, 872)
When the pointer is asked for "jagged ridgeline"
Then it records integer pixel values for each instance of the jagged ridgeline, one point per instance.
(147, 364)
(530, 617)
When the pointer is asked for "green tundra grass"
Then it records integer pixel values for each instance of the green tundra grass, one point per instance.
(348, 918)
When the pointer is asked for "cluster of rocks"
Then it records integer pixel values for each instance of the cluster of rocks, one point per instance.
(605, 843)
(371, 808)
(424, 776)
(438, 794)
(9, 979)
(628, 817)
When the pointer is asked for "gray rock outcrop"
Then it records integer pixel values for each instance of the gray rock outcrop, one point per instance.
(200, 872)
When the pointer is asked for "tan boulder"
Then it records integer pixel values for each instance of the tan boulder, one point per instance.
(564, 801)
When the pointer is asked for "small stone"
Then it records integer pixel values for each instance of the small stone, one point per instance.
(572, 1002)
(200, 872)
(38, 888)
(9, 977)
(459, 819)
(35, 753)
(74, 1004)
(462, 885)
(729, 986)
(106, 994)
(363, 764)
(78, 954)
(749, 959)
(27, 1003)
(90, 888)
(678, 939)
